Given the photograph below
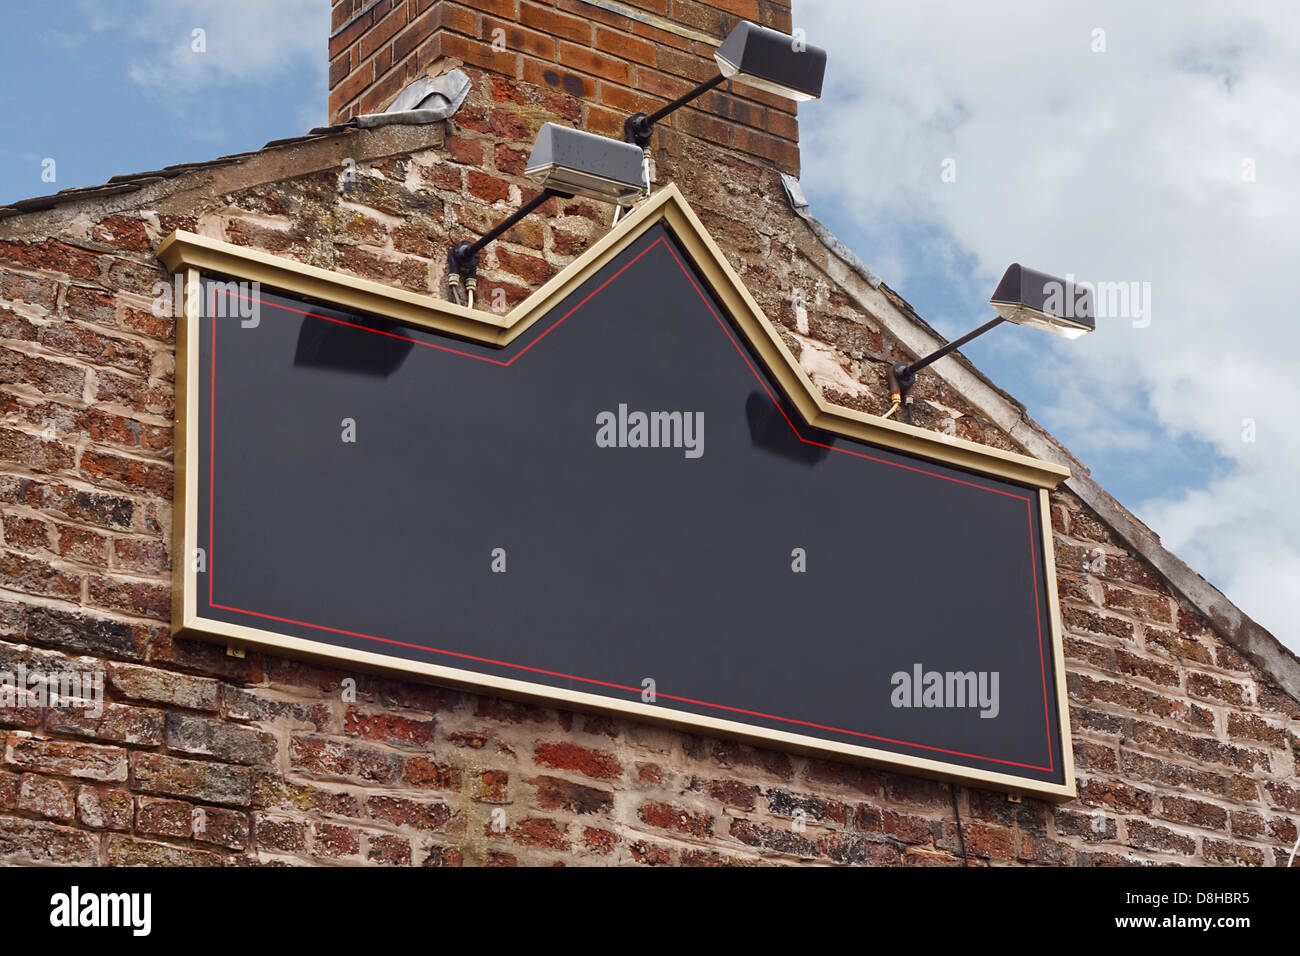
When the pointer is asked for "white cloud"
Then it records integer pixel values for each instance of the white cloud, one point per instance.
(244, 41)
(1117, 166)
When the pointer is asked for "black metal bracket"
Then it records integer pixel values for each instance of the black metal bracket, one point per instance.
(462, 260)
(639, 128)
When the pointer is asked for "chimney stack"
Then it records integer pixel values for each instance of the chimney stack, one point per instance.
(590, 63)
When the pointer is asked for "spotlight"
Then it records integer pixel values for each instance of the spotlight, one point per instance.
(1036, 299)
(753, 56)
(566, 162)
(584, 164)
(1024, 297)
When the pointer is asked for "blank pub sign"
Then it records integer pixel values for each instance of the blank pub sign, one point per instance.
(624, 508)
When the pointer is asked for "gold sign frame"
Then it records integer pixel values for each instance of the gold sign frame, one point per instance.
(192, 255)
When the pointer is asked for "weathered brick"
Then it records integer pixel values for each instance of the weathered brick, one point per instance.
(1232, 854)
(45, 797)
(89, 507)
(330, 840)
(165, 818)
(226, 828)
(490, 786)
(539, 832)
(141, 598)
(34, 842)
(68, 759)
(425, 773)
(72, 338)
(1093, 827)
(1213, 688)
(132, 474)
(667, 817)
(387, 727)
(164, 687)
(288, 836)
(1150, 836)
(413, 813)
(52, 256)
(600, 841)
(118, 723)
(123, 851)
(783, 803)
(327, 757)
(1195, 812)
(773, 838)
(231, 743)
(389, 850)
(192, 779)
(248, 704)
(851, 849)
(18, 572)
(85, 634)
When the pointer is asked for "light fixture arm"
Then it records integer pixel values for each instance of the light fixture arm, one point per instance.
(463, 257)
(640, 127)
(905, 374)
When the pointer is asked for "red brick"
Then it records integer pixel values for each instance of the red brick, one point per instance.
(131, 474)
(518, 39)
(27, 534)
(52, 256)
(167, 818)
(597, 764)
(667, 817)
(594, 63)
(624, 46)
(9, 783)
(124, 232)
(466, 151)
(382, 31)
(480, 53)
(387, 728)
(548, 20)
(413, 813)
(50, 377)
(389, 850)
(539, 832)
(289, 836)
(33, 576)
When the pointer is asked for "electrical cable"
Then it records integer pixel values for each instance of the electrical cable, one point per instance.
(965, 860)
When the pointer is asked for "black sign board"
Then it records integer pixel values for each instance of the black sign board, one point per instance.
(622, 508)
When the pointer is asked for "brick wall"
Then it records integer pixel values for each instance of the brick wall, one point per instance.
(613, 64)
(1185, 752)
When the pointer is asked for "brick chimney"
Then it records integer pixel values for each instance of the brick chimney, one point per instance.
(610, 58)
